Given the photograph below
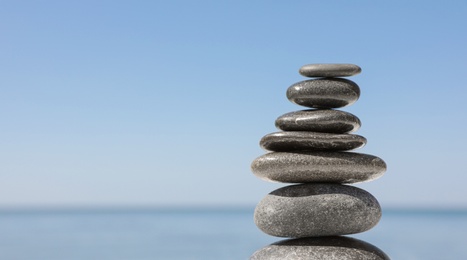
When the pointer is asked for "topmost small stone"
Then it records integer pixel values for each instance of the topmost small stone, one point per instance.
(329, 70)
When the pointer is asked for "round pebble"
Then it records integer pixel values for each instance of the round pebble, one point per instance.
(329, 248)
(302, 167)
(329, 70)
(314, 210)
(310, 141)
(319, 120)
(324, 93)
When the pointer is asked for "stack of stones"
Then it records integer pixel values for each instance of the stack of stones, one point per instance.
(312, 150)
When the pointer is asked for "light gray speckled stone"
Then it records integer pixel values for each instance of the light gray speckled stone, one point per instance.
(310, 141)
(329, 70)
(313, 210)
(320, 248)
(302, 167)
(324, 93)
(319, 120)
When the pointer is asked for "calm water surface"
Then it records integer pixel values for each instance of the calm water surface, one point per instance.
(204, 234)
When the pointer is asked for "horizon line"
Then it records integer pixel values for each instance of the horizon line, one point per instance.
(191, 208)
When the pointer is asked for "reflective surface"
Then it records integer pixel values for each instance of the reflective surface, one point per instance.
(205, 235)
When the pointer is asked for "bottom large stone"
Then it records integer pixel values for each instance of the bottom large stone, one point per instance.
(329, 248)
(313, 210)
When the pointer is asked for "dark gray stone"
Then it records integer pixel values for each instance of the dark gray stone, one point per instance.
(319, 120)
(324, 93)
(329, 70)
(320, 248)
(313, 210)
(302, 167)
(310, 141)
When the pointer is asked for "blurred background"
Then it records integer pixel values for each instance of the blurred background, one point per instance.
(161, 104)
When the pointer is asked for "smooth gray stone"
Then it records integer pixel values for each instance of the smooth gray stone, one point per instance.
(324, 93)
(310, 141)
(319, 120)
(320, 248)
(314, 210)
(303, 167)
(329, 70)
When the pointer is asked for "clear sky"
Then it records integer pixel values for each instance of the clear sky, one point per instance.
(160, 103)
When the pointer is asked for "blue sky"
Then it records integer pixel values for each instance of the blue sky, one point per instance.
(159, 103)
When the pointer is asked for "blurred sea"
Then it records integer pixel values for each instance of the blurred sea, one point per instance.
(204, 234)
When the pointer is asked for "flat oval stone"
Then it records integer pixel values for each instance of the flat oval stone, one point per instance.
(302, 167)
(319, 248)
(324, 93)
(319, 120)
(329, 70)
(310, 141)
(314, 210)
